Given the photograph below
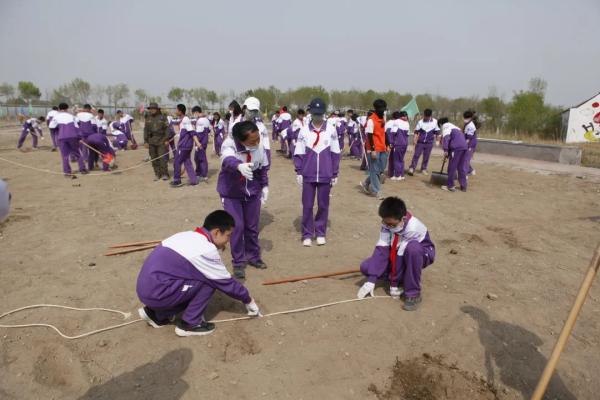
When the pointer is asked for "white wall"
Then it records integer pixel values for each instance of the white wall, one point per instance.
(584, 122)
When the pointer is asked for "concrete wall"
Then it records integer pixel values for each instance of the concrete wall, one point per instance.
(544, 152)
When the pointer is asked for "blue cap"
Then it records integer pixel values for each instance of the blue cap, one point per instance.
(317, 106)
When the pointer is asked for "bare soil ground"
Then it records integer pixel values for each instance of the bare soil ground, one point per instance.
(524, 237)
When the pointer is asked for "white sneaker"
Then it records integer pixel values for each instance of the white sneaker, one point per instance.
(321, 241)
(400, 178)
(307, 242)
(396, 292)
(424, 172)
(473, 173)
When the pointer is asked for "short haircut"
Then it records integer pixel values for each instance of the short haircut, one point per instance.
(219, 219)
(181, 107)
(379, 104)
(392, 207)
(350, 111)
(301, 111)
(284, 108)
(55, 108)
(63, 106)
(241, 130)
(442, 121)
(396, 115)
(119, 112)
(402, 114)
(87, 107)
(100, 111)
(41, 118)
(196, 109)
(468, 114)
(427, 112)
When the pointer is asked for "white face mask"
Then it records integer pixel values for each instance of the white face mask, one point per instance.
(395, 229)
(317, 117)
(251, 148)
(466, 121)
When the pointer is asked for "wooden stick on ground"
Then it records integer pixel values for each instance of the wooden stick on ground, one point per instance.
(568, 327)
(302, 278)
(90, 147)
(130, 250)
(121, 245)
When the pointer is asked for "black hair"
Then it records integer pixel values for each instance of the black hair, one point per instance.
(241, 130)
(55, 108)
(216, 115)
(392, 207)
(181, 107)
(227, 115)
(300, 111)
(284, 108)
(196, 109)
(41, 118)
(442, 121)
(379, 104)
(369, 113)
(86, 106)
(63, 106)
(403, 114)
(396, 115)
(237, 110)
(219, 219)
(427, 113)
(119, 112)
(473, 115)
(100, 111)
(350, 111)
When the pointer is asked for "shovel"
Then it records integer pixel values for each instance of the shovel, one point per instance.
(440, 178)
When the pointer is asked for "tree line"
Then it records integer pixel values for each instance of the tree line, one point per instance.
(526, 113)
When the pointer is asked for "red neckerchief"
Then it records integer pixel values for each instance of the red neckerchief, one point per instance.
(394, 248)
(201, 231)
(318, 132)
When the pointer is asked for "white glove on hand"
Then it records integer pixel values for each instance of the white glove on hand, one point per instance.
(366, 288)
(252, 309)
(334, 181)
(299, 179)
(395, 292)
(246, 170)
(265, 195)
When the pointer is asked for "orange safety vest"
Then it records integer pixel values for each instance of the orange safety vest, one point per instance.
(378, 133)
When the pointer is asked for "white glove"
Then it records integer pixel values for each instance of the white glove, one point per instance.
(395, 292)
(252, 309)
(299, 179)
(366, 288)
(265, 195)
(334, 181)
(246, 170)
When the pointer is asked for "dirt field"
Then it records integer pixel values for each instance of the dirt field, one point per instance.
(524, 237)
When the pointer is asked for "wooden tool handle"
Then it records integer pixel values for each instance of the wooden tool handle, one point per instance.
(130, 250)
(568, 327)
(302, 278)
(120, 245)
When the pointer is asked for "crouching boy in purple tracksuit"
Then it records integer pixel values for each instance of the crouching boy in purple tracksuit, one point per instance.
(243, 185)
(403, 250)
(455, 148)
(183, 272)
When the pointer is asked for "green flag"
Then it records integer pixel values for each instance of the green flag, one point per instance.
(30, 109)
(411, 108)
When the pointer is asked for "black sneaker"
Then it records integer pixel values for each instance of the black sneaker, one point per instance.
(83, 172)
(258, 264)
(411, 303)
(148, 315)
(184, 329)
(239, 272)
(175, 184)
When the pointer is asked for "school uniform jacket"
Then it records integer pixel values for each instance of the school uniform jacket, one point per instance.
(453, 138)
(231, 183)
(66, 125)
(471, 135)
(87, 123)
(427, 130)
(317, 153)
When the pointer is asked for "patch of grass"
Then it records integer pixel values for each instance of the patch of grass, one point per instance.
(590, 156)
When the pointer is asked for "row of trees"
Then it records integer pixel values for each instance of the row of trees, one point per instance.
(526, 113)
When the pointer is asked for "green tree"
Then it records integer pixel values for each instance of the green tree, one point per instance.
(175, 94)
(198, 95)
(116, 93)
(493, 109)
(527, 113)
(7, 91)
(28, 91)
(140, 96)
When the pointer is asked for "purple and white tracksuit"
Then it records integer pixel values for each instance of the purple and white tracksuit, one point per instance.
(264, 139)
(67, 139)
(274, 127)
(30, 126)
(317, 159)
(414, 251)
(202, 132)
(53, 132)
(341, 126)
(99, 142)
(181, 275)
(455, 144)
(284, 125)
(219, 131)
(471, 136)
(362, 129)
(184, 152)
(397, 133)
(116, 130)
(101, 126)
(356, 146)
(427, 131)
(87, 127)
(126, 121)
(241, 197)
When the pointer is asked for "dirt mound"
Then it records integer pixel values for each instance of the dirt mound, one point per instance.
(430, 378)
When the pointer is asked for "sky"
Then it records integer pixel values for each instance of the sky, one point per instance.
(451, 48)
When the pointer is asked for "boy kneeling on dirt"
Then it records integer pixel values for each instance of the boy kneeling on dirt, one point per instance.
(403, 250)
(182, 273)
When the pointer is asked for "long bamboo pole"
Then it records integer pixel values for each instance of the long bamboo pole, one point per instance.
(568, 327)
(302, 278)
(121, 245)
(130, 250)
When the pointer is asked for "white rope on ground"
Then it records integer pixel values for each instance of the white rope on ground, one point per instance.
(127, 315)
(117, 171)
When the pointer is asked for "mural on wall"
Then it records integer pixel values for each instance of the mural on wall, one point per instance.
(584, 122)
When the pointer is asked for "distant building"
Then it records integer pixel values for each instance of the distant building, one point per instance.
(581, 123)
